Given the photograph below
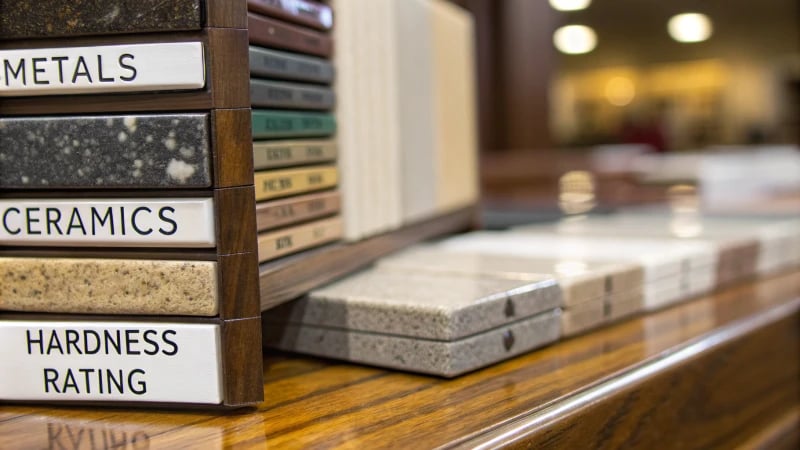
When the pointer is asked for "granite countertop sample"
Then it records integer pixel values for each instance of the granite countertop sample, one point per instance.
(580, 280)
(59, 18)
(113, 151)
(440, 306)
(108, 286)
(443, 358)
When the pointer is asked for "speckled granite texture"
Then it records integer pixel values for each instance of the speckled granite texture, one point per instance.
(55, 18)
(108, 286)
(446, 359)
(137, 151)
(442, 307)
(583, 317)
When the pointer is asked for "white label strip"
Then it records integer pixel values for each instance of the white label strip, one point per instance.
(112, 361)
(107, 68)
(157, 222)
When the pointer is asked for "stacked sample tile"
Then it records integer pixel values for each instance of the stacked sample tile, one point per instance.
(406, 110)
(673, 271)
(128, 268)
(435, 323)
(594, 293)
(293, 127)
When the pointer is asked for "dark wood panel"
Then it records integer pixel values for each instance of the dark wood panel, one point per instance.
(238, 285)
(242, 362)
(226, 13)
(235, 217)
(232, 144)
(293, 276)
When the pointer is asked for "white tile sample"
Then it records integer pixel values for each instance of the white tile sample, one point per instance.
(120, 222)
(167, 66)
(110, 361)
(444, 358)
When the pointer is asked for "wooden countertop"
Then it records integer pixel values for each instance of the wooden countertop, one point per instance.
(719, 371)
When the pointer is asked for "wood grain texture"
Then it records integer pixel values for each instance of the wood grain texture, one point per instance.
(226, 13)
(242, 362)
(743, 372)
(225, 88)
(293, 276)
(232, 147)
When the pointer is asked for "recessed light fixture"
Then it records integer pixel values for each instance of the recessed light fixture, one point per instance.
(690, 27)
(570, 5)
(575, 39)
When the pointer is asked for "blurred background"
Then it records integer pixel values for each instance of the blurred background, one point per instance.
(631, 98)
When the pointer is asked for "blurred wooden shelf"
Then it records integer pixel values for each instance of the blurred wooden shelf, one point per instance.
(716, 372)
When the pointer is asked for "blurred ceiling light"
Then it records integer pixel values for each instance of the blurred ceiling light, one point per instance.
(575, 39)
(620, 91)
(690, 27)
(570, 5)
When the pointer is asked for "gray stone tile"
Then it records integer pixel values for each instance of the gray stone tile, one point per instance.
(438, 306)
(446, 359)
(134, 151)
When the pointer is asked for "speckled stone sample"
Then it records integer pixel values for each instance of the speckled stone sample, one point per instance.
(625, 305)
(583, 317)
(580, 280)
(442, 307)
(108, 286)
(446, 359)
(55, 18)
(135, 151)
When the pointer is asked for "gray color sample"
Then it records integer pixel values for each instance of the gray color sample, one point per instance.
(276, 94)
(276, 64)
(442, 307)
(135, 151)
(446, 359)
(56, 18)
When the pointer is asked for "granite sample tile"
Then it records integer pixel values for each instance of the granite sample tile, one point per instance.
(442, 307)
(56, 18)
(443, 358)
(274, 64)
(108, 286)
(580, 280)
(113, 151)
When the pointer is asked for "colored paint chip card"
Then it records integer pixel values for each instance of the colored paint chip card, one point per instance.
(285, 241)
(167, 66)
(286, 153)
(119, 222)
(280, 94)
(301, 208)
(272, 124)
(91, 361)
(284, 182)
(275, 64)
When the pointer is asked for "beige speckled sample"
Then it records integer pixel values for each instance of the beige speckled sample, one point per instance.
(108, 286)
(431, 306)
(583, 317)
(580, 280)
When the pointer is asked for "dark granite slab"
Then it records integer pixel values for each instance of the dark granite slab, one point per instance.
(140, 151)
(57, 18)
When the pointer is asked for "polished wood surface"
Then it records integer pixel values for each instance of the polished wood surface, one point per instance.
(717, 372)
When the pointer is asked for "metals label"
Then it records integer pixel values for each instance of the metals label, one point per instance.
(102, 69)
